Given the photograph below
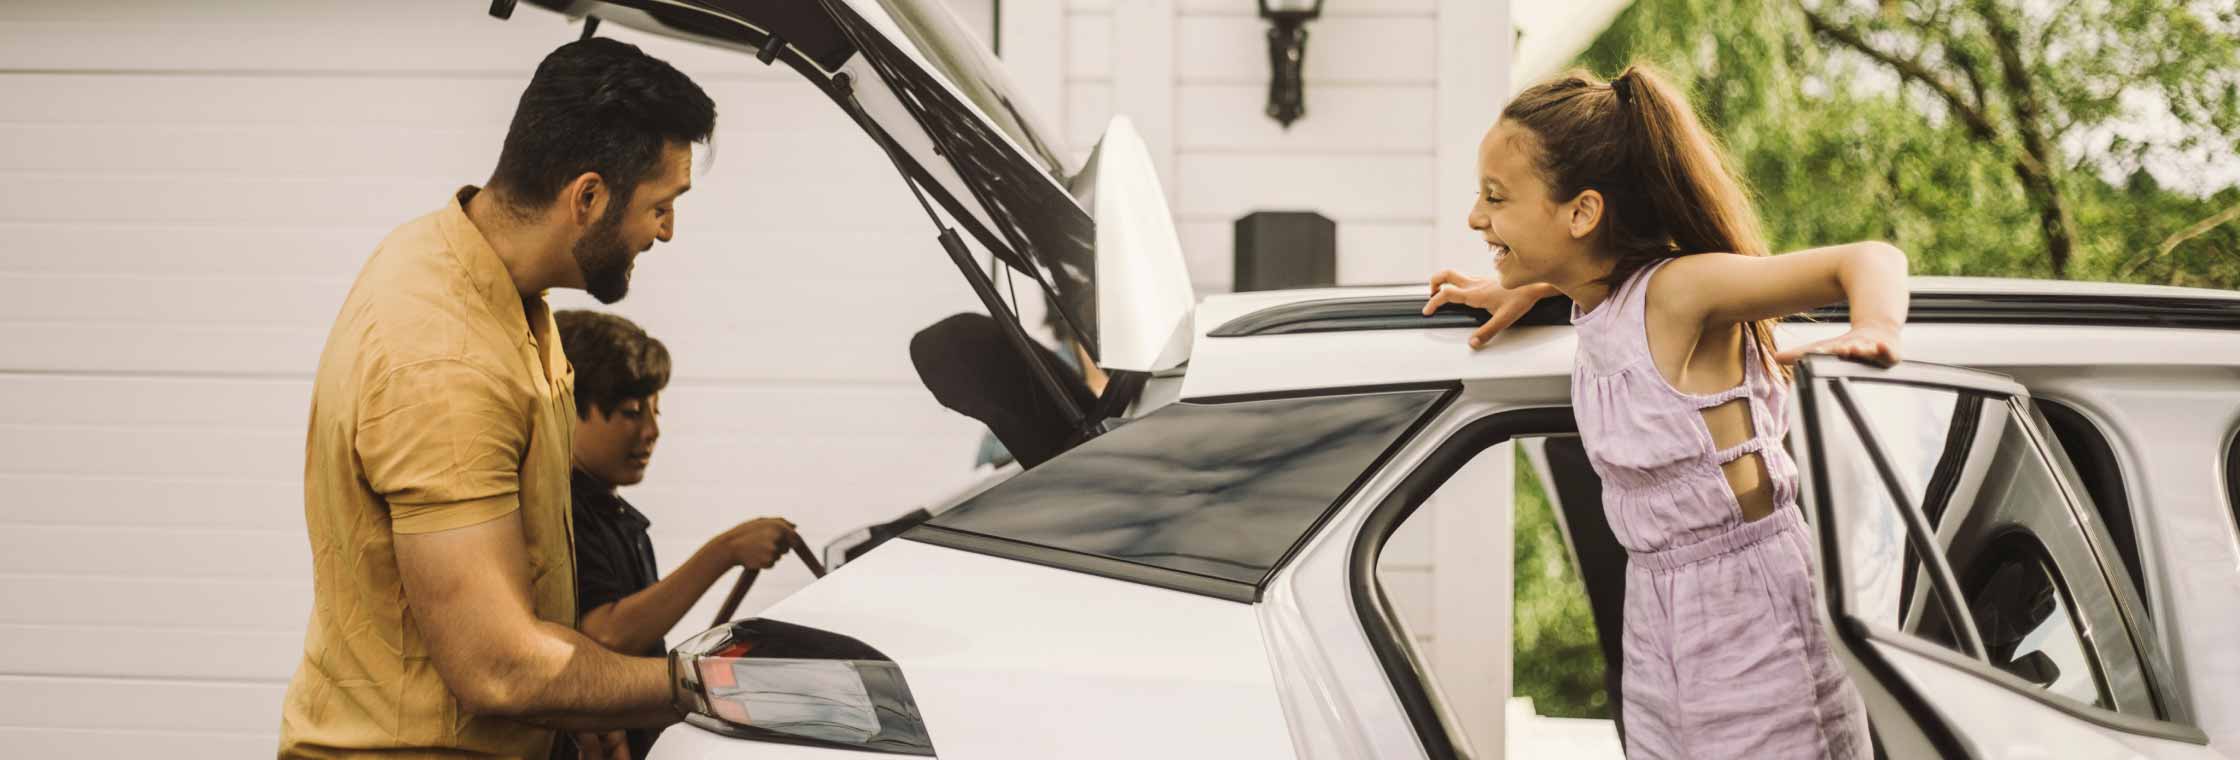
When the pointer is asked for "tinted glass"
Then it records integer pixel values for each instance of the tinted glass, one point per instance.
(1993, 504)
(1914, 426)
(2028, 626)
(2014, 593)
(1220, 490)
(1879, 570)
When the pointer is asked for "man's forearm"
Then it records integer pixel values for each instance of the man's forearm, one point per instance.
(585, 687)
(638, 620)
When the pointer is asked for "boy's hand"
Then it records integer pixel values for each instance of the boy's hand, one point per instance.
(757, 544)
(1504, 305)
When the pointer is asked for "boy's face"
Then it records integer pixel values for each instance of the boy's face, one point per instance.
(615, 445)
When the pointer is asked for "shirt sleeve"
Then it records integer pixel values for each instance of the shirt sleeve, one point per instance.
(442, 441)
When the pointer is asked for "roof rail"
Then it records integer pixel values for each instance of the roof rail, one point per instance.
(1363, 313)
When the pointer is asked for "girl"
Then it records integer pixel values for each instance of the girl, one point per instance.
(1614, 194)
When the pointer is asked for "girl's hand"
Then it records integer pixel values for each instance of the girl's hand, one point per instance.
(1504, 305)
(1874, 345)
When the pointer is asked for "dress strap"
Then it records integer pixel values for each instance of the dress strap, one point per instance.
(1722, 397)
(1740, 450)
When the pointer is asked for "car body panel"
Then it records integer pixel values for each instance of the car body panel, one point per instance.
(2169, 428)
(1010, 659)
(1144, 297)
(2002, 725)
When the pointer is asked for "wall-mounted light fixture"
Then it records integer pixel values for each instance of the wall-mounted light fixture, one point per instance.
(1287, 48)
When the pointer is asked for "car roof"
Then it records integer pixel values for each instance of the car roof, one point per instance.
(1293, 340)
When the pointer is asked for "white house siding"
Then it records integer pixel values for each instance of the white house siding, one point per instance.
(188, 190)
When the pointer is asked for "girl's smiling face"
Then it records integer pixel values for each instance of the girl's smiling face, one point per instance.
(1533, 238)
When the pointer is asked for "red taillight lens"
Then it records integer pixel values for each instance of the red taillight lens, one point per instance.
(773, 681)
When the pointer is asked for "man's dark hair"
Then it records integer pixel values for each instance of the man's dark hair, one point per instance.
(597, 105)
(615, 359)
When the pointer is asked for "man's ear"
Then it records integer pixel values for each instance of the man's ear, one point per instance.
(1586, 213)
(586, 198)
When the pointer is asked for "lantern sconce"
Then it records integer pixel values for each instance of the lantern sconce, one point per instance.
(1287, 49)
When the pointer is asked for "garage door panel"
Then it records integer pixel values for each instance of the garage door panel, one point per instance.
(153, 651)
(694, 407)
(709, 249)
(98, 703)
(154, 143)
(108, 499)
(405, 41)
(236, 605)
(127, 99)
(187, 554)
(91, 744)
(740, 351)
(311, 303)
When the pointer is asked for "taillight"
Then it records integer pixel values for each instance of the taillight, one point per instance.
(780, 682)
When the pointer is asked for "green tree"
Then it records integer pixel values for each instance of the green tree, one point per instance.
(1980, 135)
(1557, 660)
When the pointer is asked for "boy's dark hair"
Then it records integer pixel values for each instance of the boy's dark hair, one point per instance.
(615, 360)
(597, 105)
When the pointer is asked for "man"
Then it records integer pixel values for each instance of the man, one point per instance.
(624, 604)
(436, 465)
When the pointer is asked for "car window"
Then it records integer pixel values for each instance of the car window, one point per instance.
(1876, 558)
(2029, 628)
(2003, 506)
(1213, 490)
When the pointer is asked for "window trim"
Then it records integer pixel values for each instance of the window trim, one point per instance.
(2232, 479)
(1859, 633)
(2106, 461)
(1373, 609)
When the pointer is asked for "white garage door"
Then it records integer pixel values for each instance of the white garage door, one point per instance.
(189, 189)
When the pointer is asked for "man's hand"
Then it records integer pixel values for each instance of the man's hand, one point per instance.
(756, 544)
(611, 745)
(1505, 305)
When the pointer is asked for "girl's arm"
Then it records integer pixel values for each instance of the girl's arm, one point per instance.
(1720, 289)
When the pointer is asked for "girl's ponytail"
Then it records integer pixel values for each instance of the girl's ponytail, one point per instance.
(1667, 186)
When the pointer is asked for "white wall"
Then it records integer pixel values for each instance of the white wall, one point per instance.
(189, 189)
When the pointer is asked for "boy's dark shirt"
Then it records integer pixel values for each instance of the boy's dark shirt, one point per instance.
(614, 559)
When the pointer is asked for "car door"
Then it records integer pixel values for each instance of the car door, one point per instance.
(1967, 586)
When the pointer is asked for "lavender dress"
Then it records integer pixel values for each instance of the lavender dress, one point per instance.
(1724, 654)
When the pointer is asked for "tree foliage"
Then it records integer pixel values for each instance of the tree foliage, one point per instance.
(1986, 137)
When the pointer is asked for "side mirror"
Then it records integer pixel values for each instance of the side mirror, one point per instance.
(2036, 668)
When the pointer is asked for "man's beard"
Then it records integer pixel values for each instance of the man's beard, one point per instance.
(605, 260)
